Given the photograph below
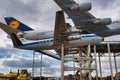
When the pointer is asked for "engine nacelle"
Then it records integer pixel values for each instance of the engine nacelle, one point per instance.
(75, 37)
(103, 21)
(81, 7)
(73, 30)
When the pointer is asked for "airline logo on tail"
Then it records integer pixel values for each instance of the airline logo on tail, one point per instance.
(14, 24)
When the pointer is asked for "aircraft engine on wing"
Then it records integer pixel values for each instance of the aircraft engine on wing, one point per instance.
(81, 7)
(103, 21)
(72, 30)
(37, 35)
(74, 37)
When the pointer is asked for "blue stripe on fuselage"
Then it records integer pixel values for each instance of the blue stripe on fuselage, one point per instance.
(88, 36)
(33, 43)
(40, 42)
(51, 40)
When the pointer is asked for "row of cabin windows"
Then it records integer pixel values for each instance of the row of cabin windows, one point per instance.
(46, 41)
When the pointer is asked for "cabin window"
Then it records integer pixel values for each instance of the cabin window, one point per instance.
(47, 40)
(51, 40)
(40, 41)
(44, 41)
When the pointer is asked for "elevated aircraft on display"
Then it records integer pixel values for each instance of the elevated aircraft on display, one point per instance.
(60, 35)
(88, 30)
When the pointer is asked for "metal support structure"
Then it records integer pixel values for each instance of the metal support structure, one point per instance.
(108, 45)
(62, 62)
(96, 62)
(80, 54)
(88, 55)
(115, 63)
(83, 58)
(74, 66)
(33, 65)
(100, 66)
(41, 68)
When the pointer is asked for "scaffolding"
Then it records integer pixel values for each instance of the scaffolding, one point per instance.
(85, 57)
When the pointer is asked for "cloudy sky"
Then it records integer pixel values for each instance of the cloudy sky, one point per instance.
(40, 15)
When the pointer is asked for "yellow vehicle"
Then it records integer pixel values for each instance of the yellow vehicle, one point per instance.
(16, 76)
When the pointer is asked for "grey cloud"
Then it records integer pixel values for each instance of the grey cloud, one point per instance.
(5, 50)
(24, 63)
(102, 3)
(18, 8)
(9, 48)
(51, 70)
(115, 24)
(9, 51)
(99, 3)
(49, 66)
(48, 71)
(32, 12)
(17, 59)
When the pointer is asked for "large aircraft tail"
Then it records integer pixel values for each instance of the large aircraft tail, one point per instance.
(12, 22)
(15, 40)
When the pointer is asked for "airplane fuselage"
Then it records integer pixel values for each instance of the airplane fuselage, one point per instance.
(36, 35)
(47, 44)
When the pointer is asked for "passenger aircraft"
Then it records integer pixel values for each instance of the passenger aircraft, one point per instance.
(87, 30)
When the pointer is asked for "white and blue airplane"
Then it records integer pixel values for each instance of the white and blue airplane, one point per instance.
(88, 30)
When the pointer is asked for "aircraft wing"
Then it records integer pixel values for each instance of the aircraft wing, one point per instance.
(79, 17)
(59, 32)
(60, 28)
(50, 54)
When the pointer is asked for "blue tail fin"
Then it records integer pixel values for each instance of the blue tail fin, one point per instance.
(17, 24)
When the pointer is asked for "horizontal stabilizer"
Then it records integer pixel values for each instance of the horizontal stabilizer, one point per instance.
(8, 29)
(15, 40)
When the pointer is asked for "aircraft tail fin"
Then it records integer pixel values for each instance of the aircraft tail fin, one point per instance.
(12, 22)
(15, 40)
